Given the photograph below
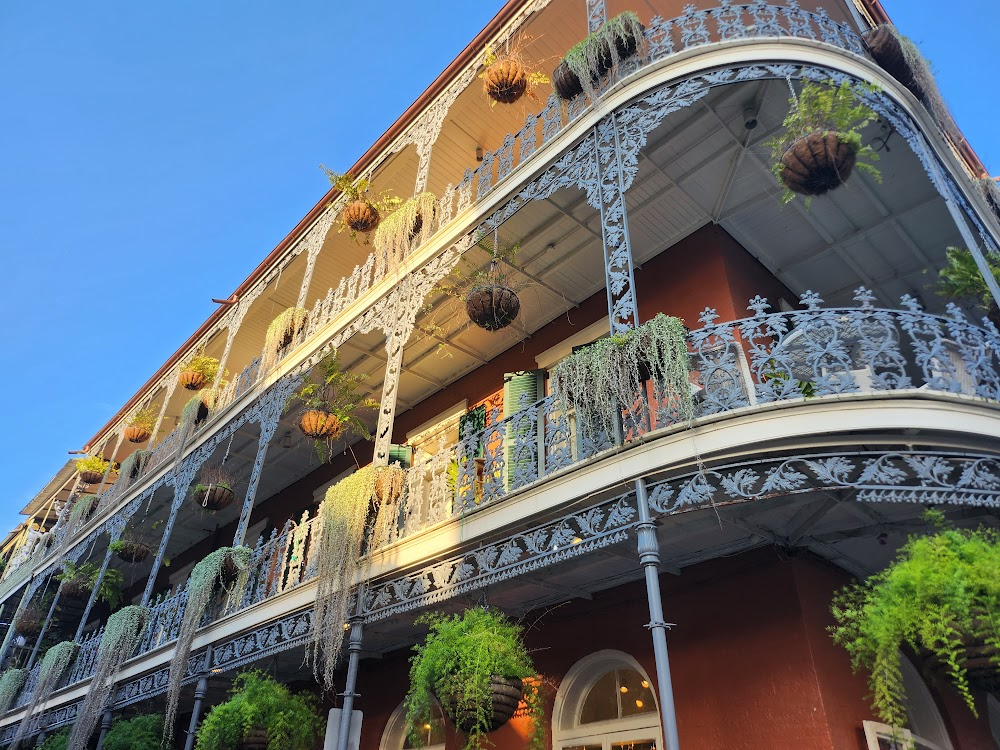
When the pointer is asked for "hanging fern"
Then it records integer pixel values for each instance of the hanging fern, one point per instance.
(141, 732)
(282, 328)
(53, 666)
(397, 231)
(201, 585)
(603, 379)
(344, 517)
(122, 634)
(11, 683)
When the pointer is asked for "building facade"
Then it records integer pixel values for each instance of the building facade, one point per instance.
(833, 396)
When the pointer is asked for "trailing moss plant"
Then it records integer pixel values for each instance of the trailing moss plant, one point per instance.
(207, 577)
(334, 392)
(134, 463)
(11, 683)
(825, 108)
(51, 669)
(291, 720)
(280, 332)
(941, 592)
(961, 279)
(455, 665)
(84, 577)
(358, 190)
(122, 634)
(344, 524)
(603, 379)
(142, 732)
(56, 741)
(602, 50)
(413, 219)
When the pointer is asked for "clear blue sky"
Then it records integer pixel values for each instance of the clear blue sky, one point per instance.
(154, 152)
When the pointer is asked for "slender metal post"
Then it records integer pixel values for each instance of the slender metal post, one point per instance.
(105, 726)
(45, 628)
(40, 740)
(93, 595)
(649, 558)
(200, 689)
(179, 493)
(266, 433)
(9, 637)
(354, 651)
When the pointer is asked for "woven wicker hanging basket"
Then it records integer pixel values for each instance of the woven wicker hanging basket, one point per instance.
(505, 81)
(817, 163)
(215, 497)
(506, 694)
(136, 434)
(360, 216)
(320, 425)
(133, 552)
(91, 477)
(192, 380)
(888, 53)
(492, 306)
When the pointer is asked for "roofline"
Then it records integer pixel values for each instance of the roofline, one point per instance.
(473, 49)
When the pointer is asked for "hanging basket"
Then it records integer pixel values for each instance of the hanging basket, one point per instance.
(293, 328)
(817, 163)
(566, 82)
(91, 477)
(505, 81)
(360, 216)
(230, 574)
(506, 693)
(29, 622)
(135, 434)
(320, 425)
(192, 380)
(255, 739)
(76, 588)
(387, 487)
(885, 48)
(492, 306)
(214, 497)
(133, 552)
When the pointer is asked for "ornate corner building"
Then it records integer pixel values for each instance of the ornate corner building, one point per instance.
(834, 396)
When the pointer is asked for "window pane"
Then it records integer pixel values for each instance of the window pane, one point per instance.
(637, 696)
(634, 745)
(432, 732)
(602, 700)
(584, 747)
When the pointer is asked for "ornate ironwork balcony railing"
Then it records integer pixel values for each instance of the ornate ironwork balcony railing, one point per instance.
(770, 356)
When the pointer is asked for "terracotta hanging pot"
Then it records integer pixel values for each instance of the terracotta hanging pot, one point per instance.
(360, 216)
(565, 82)
(133, 552)
(492, 306)
(817, 163)
(91, 477)
(214, 497)
(320, 425)
(885, 48)
(506, 694)
(192, 380)
(136, 434)
(505, 81)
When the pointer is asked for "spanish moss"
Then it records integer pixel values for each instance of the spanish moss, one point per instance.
(280, 334)
(52, 668)
(396, 233)
(11, 683)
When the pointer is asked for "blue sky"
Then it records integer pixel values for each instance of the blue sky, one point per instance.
(155, 152)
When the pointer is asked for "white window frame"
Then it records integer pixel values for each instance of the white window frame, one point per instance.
(394, 734)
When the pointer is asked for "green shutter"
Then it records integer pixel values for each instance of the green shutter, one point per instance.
(401, 454)
(527, 385)
(477, 418)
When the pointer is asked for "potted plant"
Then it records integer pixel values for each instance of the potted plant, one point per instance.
(29, 623)
(396, 233)
(475, 665)
(280, 334)
(589, 60)
(490, 300)
(214, 489)
(822, 143)
(941, 596)
(198, 371)
(57, 741)
(142, 732)
(140, 426)
(898, 56)
(134, 463)
(330, 402)
(261, 713)
(506, 77)
(92, 468)
(364, 207)
(11, 683)
(129, 550)
(961, 279)
(79, 580)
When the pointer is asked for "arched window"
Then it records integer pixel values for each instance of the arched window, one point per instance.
(925, 728)
(395, 736)
(606, 702)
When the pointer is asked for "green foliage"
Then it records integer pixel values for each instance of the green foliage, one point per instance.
(941, 591)
(145, 417)
(600, 380)
(54, 664)
(292, 721)
(207, 366)
(332, 390)
(961, 279)
(824, 108)
(138, 733)
(92, 463)
(86, 575)
(10, 685)
(360, 189)
(458, 658)
(56, 741)
(599, 50)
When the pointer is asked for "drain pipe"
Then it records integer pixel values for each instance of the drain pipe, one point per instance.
(649, 558)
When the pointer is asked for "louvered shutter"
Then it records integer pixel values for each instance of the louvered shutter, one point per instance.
(522, 439)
